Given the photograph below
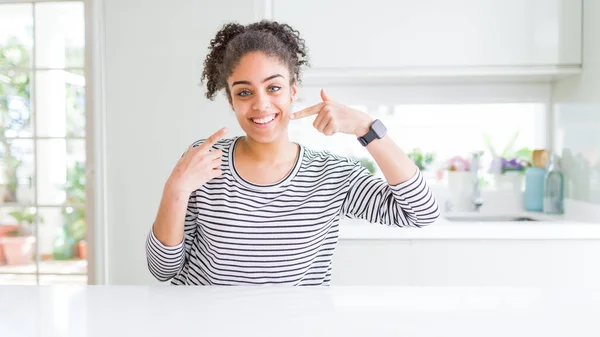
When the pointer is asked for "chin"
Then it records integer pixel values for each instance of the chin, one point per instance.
(265, 138)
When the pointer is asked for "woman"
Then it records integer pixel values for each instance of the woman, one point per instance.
(260, 208)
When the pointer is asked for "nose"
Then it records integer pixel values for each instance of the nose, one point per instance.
(261, 102)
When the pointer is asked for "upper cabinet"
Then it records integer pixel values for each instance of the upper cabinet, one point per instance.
(437, 36)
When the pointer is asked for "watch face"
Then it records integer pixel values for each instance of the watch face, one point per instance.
(379, 128)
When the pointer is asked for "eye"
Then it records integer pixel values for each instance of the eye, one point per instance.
(273, 88)
(243, 93)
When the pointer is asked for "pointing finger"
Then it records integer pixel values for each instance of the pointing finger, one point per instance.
(324, 96)
(312, 110)
(213, 139)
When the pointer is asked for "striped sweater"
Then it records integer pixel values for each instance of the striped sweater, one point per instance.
(240, 233)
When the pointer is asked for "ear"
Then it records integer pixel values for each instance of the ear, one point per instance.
(294, 91)
(229, 99)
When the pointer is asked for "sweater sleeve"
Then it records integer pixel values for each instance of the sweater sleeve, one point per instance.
(408, 204)
(165, 262)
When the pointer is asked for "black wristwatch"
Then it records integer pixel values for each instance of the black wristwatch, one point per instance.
(376, 131)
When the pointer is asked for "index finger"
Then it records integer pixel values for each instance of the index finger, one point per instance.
(210, 141)
(312, 110)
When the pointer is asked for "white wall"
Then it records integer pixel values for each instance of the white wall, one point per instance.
(577, 117)
(154, 109)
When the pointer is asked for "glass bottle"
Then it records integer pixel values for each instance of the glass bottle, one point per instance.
(554, 187)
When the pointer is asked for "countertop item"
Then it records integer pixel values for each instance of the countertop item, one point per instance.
(533, 197)
(540, 157)
(147, 311)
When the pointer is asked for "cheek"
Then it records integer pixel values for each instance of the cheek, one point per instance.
(283, 103)
(241, 109)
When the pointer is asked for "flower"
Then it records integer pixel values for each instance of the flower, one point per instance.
(459, 164)
(502, 165)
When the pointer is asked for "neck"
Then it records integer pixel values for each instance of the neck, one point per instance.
(273, 152)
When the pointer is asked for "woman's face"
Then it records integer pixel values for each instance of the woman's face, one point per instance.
(261, 96)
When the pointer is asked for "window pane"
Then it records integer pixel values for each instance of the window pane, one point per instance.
(16, 171)
(59, 35)
(16, 279)
(17, 240)
(439, 132)
(15, 104)
(60, 103)
(450, 130)
(63, 279)
(61, 171)
(16, 37)
(63, 249)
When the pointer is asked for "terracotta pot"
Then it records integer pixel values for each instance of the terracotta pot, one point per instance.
(5, 229)
(82, 249)
(18, 250)
(2, 258)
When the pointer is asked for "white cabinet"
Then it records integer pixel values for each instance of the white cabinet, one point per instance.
(511, 263)
(528, 263)
(365, 262)
(427, 35)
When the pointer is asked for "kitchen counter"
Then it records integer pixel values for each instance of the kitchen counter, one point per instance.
(544, 228)
(44, 311)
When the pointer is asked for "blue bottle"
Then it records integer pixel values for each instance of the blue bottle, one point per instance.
(554, 187)
(533, 198)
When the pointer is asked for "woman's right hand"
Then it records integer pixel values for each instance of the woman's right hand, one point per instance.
(197, 166)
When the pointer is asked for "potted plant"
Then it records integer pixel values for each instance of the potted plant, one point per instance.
(74, 213)
(15, 116)
(19, 244)
(509, 166)
(458, 173)
(421, 159)
(5, 229)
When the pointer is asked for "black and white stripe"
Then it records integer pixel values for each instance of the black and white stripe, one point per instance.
(239, 233)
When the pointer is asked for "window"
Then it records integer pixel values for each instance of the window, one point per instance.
(444, 129)
(42, 143)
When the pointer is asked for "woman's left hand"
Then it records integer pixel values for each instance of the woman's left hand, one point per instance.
(334, 117)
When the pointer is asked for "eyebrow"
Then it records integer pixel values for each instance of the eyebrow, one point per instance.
(263, 81)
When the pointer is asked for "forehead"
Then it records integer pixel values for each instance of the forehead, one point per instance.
(256, 66)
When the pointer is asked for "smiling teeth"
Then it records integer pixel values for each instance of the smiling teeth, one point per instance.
(264, 120)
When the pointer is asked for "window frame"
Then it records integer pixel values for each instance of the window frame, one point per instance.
(93, 137)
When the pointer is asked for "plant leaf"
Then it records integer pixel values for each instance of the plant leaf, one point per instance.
(488, 143)
(506, 152)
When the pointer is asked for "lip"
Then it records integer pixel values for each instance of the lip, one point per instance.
(264, 126)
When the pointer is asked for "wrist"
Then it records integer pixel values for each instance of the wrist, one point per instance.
(174, 189)
(364, 125)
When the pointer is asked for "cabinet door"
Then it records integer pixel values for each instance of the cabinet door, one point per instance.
(371, 263)
(514, 263)
(408, 33)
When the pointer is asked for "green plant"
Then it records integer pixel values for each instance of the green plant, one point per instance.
(25, 217)
(509, 159)
(74, 216)
(422, 160)
(15, 97)
(367, 163)
(509, 152)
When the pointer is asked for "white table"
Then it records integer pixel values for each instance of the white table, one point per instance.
(288, 311)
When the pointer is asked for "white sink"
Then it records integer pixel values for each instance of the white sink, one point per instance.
(487, 218)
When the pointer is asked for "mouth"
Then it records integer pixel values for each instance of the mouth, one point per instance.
(264, 121)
